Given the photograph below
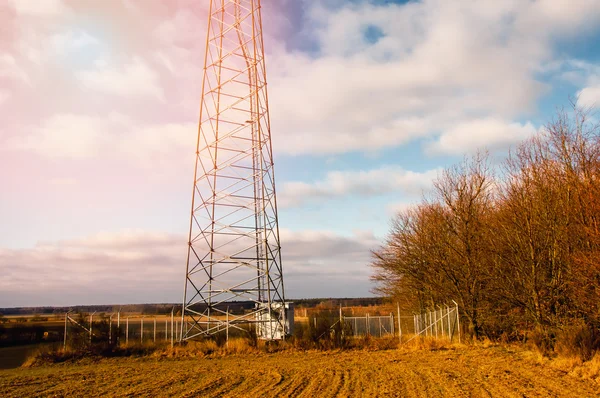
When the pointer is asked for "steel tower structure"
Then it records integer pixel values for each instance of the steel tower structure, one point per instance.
(234, 248)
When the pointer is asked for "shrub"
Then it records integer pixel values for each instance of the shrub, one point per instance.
(578, 340)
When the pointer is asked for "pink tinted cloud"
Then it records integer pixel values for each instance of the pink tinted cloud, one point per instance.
(135, 266)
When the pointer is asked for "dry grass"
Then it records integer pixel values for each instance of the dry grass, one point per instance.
(588, 370)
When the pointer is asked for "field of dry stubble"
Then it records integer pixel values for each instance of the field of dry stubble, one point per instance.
(458, 371)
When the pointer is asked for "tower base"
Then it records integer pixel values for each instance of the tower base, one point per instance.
(276, 324)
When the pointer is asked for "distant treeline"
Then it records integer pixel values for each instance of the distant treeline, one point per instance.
(165, 308)
(517, 245)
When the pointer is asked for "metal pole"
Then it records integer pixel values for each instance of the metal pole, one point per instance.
(91, 325)
(449, 329)
(368, 325)
(167, 329)
(65, 337)
(442, 321)
(379, 317)
(118, 327)
(180, 329)
(227, 329)
(110, 329)
(283, 328)
(142, 330)
(435, 322)
(399, 324)
(155, 330)
(127, 331)
(415, 324)
(457, 320)
(172, 341)
(430, 324)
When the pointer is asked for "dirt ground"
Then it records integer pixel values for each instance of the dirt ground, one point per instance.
(455, 372)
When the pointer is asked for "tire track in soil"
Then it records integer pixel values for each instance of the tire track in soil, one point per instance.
(316, 383)
(472, 371)
(288, 381)
(298, 383)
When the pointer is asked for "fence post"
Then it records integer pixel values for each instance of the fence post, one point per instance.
(167, 329)
(118, 327)
(435, 322)
(142, 330)
(172, 327)
(65, 337)
(155, 330)
(127, 331)
(368, 325)
(392, 324)
(110, 329)
(91, 325)
(449, 328)
(430, 323)
(442, 321)
(399, 323)
(457, 321)
(227, 329)
(415, 324)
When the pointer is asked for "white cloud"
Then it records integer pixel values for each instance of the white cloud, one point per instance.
(398, 207)
(38, 7)
(135, 78)
(583, 74)
(141, 266)
(64, 135)
(438, 64)
(10, 68)
(360, 183)
(589, 96)
(4, 96)
(161, 146)
(489, 133)
(62, 182)
(72, 40)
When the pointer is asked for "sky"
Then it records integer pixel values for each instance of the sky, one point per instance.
(369, 100)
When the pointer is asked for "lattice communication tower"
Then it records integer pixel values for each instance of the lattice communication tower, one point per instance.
(234, 248)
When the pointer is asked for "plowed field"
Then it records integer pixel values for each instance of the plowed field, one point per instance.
(462, 372)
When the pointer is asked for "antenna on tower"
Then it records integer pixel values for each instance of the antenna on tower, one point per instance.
(234, 250)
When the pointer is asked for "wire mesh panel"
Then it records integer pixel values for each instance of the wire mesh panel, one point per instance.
(372, 325)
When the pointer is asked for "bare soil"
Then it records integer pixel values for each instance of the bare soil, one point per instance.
(454, 372)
